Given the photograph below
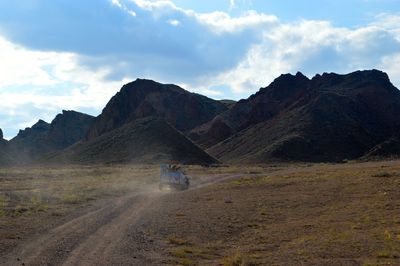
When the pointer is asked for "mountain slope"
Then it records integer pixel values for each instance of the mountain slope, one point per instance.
(5, 157)
(149, 140)
(329, 118)
(388, 148)
(146, 98)
(32, 143)
(263, 105)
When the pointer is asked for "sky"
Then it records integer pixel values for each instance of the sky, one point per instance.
(75, 55)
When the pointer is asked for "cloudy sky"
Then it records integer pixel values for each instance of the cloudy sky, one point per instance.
(74, 54)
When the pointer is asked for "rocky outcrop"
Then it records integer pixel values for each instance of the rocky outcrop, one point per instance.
(147, 98)
(38, 130)
(68, 128)
(42, 138)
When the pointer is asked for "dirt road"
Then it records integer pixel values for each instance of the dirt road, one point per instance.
(89, 239)
(109, 233)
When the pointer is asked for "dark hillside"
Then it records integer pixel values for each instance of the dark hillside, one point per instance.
(149, 140)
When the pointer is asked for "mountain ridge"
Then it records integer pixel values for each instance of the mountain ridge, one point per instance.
(330, 117)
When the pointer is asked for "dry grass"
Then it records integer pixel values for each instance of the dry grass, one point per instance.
(240, 259)
(190, 254)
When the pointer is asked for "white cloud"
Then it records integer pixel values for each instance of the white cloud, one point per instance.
(116, 3)
(388, 22)
(174, 22)
(19, 66)
(44, 73)
(232, 4)
(243, 4)
(160, 8)
(217, 21)
(122, 6)
(42, 70)
(221, 22)
(391, 65)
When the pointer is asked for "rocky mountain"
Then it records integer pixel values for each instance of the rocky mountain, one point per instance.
(146, 98)
(5, 158)
(32, 143)
(328, 118)
(259, 107)
(35, 132)
(68, 128)
(2, 140)
(148, 140)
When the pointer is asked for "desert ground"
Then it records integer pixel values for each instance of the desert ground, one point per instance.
(282, 214)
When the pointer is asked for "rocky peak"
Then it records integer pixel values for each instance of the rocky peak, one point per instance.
(141, 84)
(285, 86)
(2, 140)
(284, 91)
(372, 74)
(289, 80)
(146, 98)
(68, 128)
(146, 86)
(41, 127)
(69, 117)
(352, 81)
